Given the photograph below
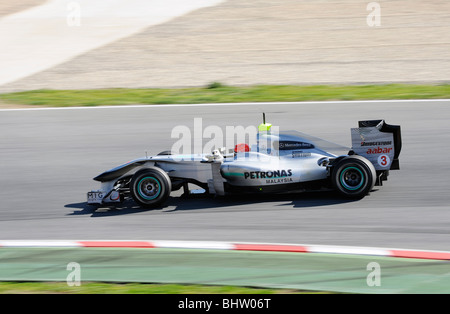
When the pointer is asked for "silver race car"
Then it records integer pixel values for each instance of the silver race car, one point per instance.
(277, 163)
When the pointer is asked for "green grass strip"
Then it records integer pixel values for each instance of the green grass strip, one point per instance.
(133, 288)
(219, 93)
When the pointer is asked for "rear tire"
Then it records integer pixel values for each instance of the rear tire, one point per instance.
(353, 177)
(150, 187)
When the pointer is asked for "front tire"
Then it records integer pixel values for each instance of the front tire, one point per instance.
(353, 177)
(150, 187)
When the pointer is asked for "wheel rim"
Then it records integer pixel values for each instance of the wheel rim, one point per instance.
(149, 188)
(352, 178)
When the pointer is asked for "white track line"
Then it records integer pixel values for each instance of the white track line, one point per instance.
(149, 106)
(59, 30)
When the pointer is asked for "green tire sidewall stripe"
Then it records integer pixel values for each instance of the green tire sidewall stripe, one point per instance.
(345, 185)
(146, 197)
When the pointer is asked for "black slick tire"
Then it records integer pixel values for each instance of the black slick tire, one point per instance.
(353, 177)
(150, 187)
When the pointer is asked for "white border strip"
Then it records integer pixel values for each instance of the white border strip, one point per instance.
(348, 250)
(39, 243)
(193, 245)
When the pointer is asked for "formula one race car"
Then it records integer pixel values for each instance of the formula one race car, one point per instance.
(278, 163)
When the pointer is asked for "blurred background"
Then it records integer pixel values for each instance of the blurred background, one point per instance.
(236, 42)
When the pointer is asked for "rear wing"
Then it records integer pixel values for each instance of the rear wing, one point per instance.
(379, 142)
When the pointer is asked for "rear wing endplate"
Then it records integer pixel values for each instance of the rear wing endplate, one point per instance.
(379, 142)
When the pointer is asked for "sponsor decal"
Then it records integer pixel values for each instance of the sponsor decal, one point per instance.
(279, 180)
(299, 154)
(380, 143)
(289, 145)
(379, 150)
(268, 174)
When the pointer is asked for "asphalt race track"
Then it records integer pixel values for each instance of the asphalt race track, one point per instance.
(49, 157)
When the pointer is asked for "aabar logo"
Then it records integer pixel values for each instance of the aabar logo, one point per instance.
(379, 150)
